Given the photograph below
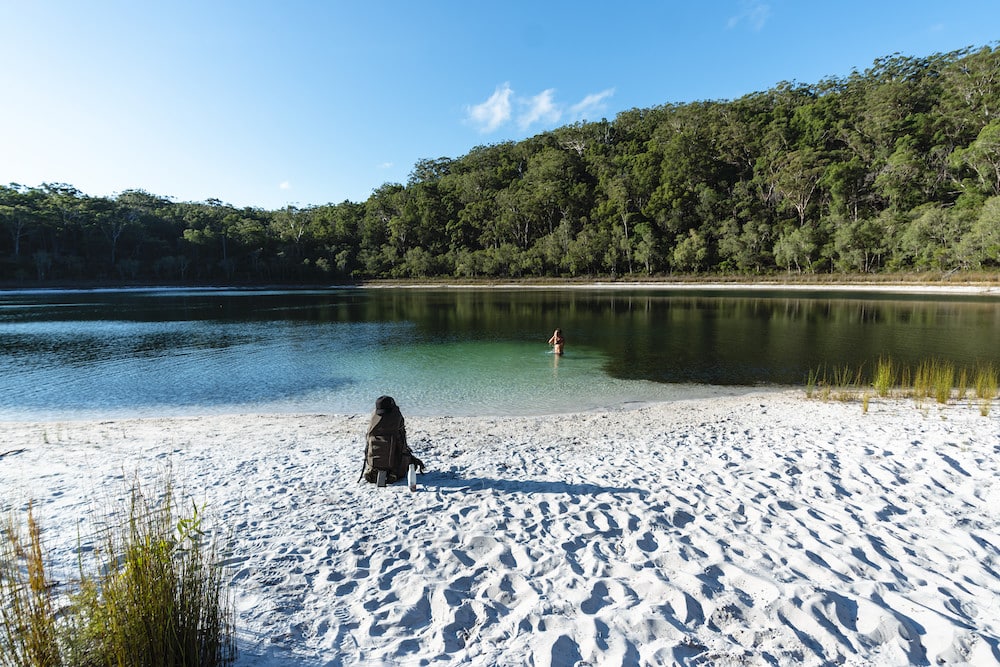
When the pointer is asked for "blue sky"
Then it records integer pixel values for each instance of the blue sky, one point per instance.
(292, 102)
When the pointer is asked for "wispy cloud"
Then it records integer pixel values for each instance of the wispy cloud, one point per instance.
(752, 13)
(591, 104)
(386, 165)
(284, 185)
(540, 109)
(494, 112)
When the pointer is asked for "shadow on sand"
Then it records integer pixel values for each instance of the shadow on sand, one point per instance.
(447, 482)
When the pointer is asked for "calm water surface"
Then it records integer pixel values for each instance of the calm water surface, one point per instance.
(446, 351)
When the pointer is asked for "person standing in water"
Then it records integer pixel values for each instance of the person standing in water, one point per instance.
(557, 342)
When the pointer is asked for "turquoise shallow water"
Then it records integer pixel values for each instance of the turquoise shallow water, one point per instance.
(112, 368)
(499, 377)
(66, 354)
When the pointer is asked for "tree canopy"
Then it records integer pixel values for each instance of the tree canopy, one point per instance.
(896, 168)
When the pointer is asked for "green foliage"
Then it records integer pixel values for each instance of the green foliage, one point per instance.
(934, 378)
(885, 377)
(986, 382)
(151, 595)
(161, 597)
(896, 168)
(931, 378)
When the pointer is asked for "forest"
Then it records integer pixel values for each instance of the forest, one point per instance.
(893, 169)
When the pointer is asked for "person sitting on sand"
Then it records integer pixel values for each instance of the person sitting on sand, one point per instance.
(557, 341)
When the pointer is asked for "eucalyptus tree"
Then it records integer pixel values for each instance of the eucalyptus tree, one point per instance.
(981, 245)
(204, 234)
(432, 201)
(982, 156)
(929, 240)
(474, 181)
(335, 228)
(131, 212)
(20, 213)
(374, 253)
(63, 211)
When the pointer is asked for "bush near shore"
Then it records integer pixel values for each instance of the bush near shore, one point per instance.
(150, 591)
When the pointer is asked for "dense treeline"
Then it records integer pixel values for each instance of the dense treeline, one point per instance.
(893, 169)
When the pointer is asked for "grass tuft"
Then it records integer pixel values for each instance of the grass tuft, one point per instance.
(986, 387)
(885, 377)
(929, 379)
(28, 631)
(986, 382)
(150, 593)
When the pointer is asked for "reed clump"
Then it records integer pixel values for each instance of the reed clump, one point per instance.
(28, 628)
(151, 591)
(930, 379)
(986, 387)
(840, 383)
(885, 377)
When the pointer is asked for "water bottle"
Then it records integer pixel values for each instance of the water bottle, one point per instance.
(411, 477)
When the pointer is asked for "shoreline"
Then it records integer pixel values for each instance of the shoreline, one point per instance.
(671, 393)
(969, 287)
(929, 288)
(751, 528)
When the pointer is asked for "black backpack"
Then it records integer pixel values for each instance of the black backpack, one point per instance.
(385, 444)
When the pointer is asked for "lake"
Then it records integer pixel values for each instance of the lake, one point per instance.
(459, 351)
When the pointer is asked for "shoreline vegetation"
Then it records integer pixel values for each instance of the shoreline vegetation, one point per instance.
(150, 588)
(932, 379)
(986, 282)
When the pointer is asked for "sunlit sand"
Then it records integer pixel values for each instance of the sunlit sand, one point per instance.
(745, 528)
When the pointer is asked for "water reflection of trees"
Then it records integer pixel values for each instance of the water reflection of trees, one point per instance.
(721, 337)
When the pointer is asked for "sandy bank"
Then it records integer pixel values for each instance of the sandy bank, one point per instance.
(736, 530)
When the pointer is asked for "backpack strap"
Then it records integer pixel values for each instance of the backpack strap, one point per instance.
(364, 460)
(364, 464)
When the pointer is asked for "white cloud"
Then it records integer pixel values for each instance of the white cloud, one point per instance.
(753, 13)
(284, 185)
(386, 165)
(591, 104)
(494, 112)
(540, 108)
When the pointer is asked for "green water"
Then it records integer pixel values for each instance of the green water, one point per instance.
(447, 351)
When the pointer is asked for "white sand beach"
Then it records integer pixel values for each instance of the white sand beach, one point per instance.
(754, 527)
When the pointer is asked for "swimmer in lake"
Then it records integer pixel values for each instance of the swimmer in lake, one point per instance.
(557, 341)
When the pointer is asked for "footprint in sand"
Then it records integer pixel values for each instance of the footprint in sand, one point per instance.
(598, 599)
(346, 588)
(565, 652)
(681, 519)
(647, 543)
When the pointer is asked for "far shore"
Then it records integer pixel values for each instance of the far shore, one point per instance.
(978, 284)
(979, 289)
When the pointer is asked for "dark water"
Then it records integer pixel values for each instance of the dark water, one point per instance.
(447, 351)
